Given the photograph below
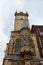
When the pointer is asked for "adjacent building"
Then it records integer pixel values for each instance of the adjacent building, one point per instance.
(38, 30)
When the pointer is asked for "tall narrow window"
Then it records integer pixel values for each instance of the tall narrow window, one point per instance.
(25, 40)
(17, 45)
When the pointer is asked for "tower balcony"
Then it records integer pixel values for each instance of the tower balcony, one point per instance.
(26, 50)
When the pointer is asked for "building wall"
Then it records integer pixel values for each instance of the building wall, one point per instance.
(38, 30)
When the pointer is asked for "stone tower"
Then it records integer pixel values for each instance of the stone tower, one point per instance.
(22, 48)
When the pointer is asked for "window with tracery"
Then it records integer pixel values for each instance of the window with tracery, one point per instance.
(25, 40)
(17, 45)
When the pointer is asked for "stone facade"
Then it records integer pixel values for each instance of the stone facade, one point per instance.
(22, 48)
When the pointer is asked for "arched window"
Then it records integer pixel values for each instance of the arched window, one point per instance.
(17, 45)
(24, 24)
(25, 40)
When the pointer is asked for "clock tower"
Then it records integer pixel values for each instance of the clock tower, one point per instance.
(22, 48)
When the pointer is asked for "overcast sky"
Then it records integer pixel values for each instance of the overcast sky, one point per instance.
(7, 10)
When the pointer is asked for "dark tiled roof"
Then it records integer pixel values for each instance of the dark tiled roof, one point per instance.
(40, 27)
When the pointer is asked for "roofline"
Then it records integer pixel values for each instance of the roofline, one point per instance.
(37, 25)
(21, 13)
(20, 29)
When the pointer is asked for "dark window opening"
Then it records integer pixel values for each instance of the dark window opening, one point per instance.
(17, 45)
